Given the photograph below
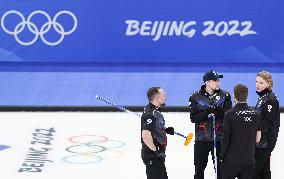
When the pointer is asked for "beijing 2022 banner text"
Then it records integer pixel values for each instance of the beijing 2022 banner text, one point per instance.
(180, 31)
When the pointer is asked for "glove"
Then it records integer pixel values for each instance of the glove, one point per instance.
(215, 109)
(211, 109)
(170, 130)
(160, 152)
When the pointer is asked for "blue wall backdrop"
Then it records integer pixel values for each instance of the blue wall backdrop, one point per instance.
(79, 89)
(63, 53)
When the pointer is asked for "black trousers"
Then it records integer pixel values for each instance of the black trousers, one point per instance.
(155, 168)
(201, 152)
(231, 171)
(262, 163)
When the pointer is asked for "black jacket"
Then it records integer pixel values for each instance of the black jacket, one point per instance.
(239, 134)
(199, 102)
(268, 106)
(153, 121)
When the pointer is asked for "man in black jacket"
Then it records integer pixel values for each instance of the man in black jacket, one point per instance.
(153, 135)
(210, 99)
(268, 106)
(240, 133)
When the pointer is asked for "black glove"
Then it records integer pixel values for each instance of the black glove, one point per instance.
(215, 109)
(211, 109)
(160, 152)
(170, 130)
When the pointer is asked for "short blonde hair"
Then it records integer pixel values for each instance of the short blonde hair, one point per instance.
(267, 77)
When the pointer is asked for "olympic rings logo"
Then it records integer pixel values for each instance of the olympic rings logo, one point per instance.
(92, 149)
(39, 31)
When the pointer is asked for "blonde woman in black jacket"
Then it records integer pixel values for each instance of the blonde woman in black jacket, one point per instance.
(268, 106)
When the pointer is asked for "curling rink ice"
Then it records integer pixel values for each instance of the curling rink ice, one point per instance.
(89, 145)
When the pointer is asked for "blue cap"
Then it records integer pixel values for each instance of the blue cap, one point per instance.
(211, 75)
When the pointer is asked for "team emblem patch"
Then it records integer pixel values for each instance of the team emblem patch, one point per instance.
(269, 108)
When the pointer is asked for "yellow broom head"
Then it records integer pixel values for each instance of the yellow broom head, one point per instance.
(188, 139)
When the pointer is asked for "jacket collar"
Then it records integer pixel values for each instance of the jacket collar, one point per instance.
(203, 91)
(263, 92)
(152, 106)
(241, 105)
